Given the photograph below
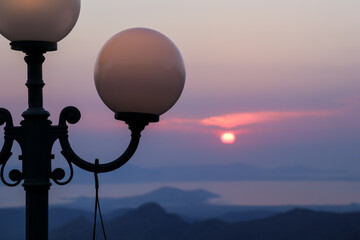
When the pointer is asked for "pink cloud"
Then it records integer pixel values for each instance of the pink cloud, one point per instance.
(243, 119)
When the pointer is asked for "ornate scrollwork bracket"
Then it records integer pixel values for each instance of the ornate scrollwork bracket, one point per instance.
(15, 175)
(58, 174)
(135, 121)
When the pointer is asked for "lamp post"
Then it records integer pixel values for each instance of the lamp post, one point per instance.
(139, 74)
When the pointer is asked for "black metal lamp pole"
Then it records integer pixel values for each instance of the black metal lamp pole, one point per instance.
(36, 136)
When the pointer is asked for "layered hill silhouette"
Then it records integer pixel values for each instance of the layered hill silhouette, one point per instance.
(152, 222)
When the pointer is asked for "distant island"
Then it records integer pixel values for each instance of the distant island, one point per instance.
(196, 204)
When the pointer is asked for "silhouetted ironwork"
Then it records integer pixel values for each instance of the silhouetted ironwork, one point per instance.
(36, 136)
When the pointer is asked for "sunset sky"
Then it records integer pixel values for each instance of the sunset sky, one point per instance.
(283, 76)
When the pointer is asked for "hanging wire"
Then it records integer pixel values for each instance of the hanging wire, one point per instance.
(97, 204)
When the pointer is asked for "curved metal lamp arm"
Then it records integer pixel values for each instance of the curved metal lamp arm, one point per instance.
(72, 115)
(5, 153)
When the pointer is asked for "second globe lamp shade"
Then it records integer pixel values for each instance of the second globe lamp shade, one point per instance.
(139, 70)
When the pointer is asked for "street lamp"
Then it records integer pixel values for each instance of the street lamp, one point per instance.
(139, 74)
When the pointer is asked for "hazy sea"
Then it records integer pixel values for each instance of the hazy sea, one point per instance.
(240, 192)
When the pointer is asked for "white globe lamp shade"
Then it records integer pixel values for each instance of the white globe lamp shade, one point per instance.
(139, 70)
(38, 20)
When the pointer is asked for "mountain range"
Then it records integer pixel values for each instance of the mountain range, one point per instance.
(151, 222)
